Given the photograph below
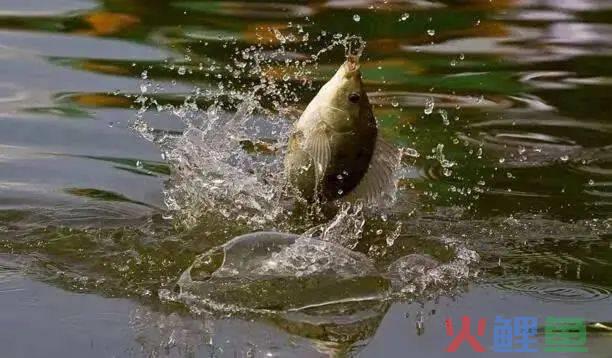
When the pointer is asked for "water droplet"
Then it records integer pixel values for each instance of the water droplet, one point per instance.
(501, 160)
(429, 106)
(404, 16)
(182, 70)
(591, 182)
(411, 152)
(565, 158)
(395, 103)
(444, 116)
(431, 32)
(462, 57)
(356, 18)
(453, 63)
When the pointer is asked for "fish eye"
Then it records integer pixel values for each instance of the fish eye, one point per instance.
(354, 97)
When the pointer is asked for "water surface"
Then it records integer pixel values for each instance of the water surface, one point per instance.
(502, 106)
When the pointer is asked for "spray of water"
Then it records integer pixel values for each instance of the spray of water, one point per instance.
(227, 158)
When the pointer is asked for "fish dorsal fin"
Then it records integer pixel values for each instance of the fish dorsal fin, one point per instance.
(317, 145)
(380, 180)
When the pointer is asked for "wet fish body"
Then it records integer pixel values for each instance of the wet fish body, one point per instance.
(335, 149)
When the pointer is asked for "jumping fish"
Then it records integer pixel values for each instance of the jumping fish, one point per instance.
(335, 150)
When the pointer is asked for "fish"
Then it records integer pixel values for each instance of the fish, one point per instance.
(335, 150)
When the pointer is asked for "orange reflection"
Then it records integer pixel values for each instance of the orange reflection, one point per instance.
(108, 23)
(101, 100)
(104, 68)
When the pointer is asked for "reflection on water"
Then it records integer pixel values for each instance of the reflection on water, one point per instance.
(500, 106)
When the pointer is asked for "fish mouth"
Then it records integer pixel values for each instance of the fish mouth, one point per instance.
(351, 64)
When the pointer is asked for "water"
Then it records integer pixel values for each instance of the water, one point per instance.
(137, 138)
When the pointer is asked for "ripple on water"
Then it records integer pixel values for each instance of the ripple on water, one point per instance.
(11, 93)
(43, 8)
(74, 46)
(420, 99)
(596, 162)
(11, 270)
(532, 141)
(248, 9)
(562, 291)
(395, 5)
(537, 15)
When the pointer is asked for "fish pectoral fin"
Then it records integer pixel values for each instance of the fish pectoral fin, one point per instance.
(318, 146)
(380, 180)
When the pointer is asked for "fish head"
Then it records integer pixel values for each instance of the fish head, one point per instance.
(342, 102)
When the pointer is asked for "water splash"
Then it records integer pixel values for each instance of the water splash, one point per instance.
(414, 274)
(227, 158)
(273, 273)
